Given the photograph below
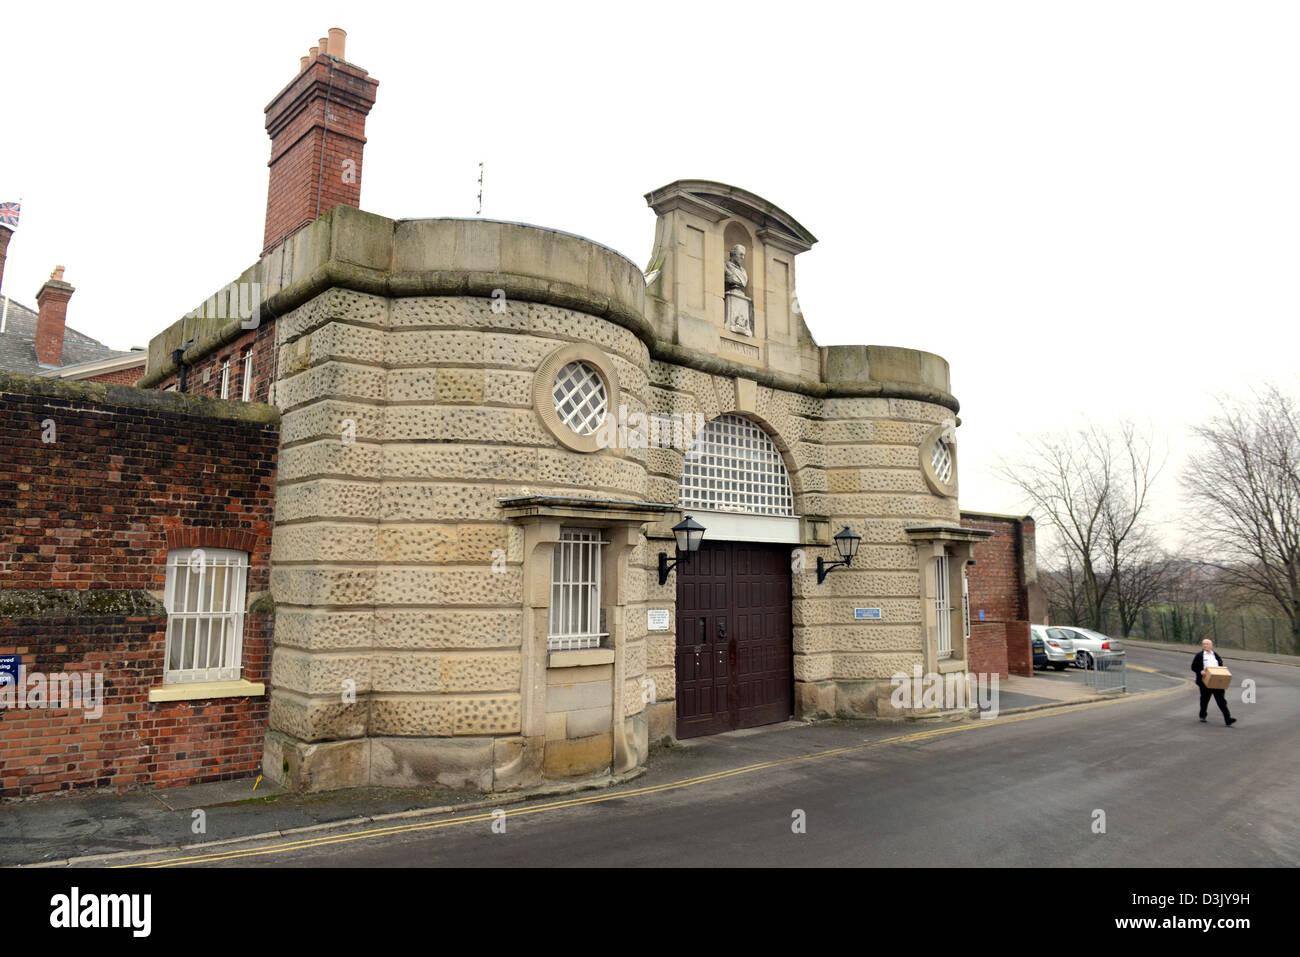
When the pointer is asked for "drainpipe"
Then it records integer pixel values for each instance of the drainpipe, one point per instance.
(178, 357)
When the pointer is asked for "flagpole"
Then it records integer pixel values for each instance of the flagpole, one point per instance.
(4, 316)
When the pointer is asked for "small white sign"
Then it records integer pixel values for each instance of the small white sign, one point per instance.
(657, 619)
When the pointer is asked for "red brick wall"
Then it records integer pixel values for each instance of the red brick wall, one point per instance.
(134, 742)
(97, 509)
(262, 342)
(999, 643)
(121, 377)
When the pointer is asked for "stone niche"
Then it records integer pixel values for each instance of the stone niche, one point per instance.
(688, 298)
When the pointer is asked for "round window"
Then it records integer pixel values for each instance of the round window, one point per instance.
(939, 460)
(581, 399)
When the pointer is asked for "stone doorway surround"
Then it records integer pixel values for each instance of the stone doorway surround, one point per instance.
(560, 754)
(932, 543)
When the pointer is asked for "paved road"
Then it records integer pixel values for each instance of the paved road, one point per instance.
(1019, 791)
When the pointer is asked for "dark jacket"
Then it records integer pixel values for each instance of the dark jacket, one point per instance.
(1198, 663)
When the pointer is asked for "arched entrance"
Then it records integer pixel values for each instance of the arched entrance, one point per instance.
(735, 655)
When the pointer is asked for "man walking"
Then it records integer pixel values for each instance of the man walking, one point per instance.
(1208, 658)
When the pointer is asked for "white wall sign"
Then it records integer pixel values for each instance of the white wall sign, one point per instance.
(656, 619)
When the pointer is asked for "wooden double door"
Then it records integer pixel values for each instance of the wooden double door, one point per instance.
(735, 647)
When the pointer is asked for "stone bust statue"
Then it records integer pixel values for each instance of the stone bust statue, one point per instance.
(739, 307)
(736, 277)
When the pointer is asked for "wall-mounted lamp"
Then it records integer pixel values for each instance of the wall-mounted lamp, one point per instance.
(847, 542)
(689, 534)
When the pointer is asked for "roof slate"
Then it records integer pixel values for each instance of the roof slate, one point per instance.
(18, 343)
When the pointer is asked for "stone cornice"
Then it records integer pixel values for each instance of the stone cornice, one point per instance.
(350, 249)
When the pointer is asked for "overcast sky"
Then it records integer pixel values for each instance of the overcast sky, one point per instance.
(1089, 209)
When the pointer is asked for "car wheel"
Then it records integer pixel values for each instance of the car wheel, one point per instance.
(1058, 665)
(1084, 660)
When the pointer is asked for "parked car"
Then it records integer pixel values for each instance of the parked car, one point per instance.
(1090, 645)
(1051, 647)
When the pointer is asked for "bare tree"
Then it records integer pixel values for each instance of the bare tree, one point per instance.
(1142, 575)
(1063, 584)
(1092, 488)
(1244, 488)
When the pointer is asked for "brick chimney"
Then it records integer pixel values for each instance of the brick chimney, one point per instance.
(317, 126)
(51, 316)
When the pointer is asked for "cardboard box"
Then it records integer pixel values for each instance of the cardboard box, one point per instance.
(1217, 678)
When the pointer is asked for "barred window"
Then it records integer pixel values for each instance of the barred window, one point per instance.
(733, 466)
(942, 608)
(204, 598)
(576, 618)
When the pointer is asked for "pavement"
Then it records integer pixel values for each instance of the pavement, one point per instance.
(99, 830)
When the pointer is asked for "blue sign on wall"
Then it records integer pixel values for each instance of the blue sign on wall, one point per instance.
(981, 614)
(9, 669)
(867, 613)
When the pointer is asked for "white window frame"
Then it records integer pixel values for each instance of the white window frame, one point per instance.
(575, 618)
(205, 594)
(225, 379)
(248, 375)
(942, 608)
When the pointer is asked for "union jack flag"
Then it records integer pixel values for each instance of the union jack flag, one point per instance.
(9, 214)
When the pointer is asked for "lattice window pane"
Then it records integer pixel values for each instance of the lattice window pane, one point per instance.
(204, 598)
(580, 398)
(941, 461)
(575, 619)
(733, 466)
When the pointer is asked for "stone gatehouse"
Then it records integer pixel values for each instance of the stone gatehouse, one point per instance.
(488, 432)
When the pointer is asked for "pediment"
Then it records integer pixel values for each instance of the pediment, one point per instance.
(717, 201)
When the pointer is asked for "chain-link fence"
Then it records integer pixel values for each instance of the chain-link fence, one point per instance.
(1228, 630)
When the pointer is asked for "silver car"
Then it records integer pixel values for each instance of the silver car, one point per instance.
(1090, 645)
(1054, 645)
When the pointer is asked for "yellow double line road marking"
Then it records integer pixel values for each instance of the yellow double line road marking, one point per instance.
(480, 817)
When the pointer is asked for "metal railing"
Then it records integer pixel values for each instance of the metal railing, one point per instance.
(1107, 672)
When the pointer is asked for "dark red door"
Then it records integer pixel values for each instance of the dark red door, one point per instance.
(734, 639)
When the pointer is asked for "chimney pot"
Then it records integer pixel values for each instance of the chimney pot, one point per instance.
(314, 52)
(57, 274)
(324, 45)
(302, 63)
(337, 39)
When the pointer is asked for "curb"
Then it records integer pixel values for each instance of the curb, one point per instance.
(511, 797)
